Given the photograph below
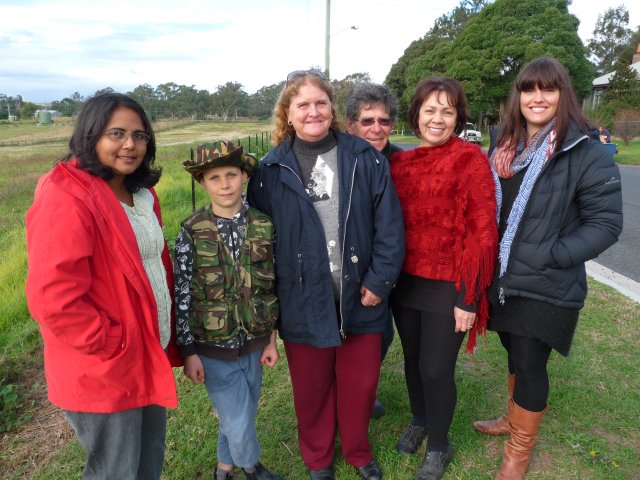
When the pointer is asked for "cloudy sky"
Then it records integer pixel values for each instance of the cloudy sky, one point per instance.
(50, 49)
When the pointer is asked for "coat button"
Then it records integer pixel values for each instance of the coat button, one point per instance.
(347, 277)
(354, 259)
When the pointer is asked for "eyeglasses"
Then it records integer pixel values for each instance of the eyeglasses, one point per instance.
(296, 74)
(369, 121)
(139, 138)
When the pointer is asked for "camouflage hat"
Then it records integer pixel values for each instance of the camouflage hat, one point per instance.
(220, 154)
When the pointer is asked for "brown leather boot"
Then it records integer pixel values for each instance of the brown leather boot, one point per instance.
(500, 425)
(517, 450)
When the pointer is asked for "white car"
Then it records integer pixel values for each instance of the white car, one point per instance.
(470, 134)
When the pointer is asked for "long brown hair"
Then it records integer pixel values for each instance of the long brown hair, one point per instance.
(543, 72)
(281, 129)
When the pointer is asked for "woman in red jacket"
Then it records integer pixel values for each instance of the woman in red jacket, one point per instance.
(446, 192)
(99, 285)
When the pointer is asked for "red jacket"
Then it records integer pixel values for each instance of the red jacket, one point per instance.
(88, 290)
(449, 209)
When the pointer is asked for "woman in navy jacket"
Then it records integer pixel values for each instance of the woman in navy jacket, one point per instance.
(558, 193)
(338, 251)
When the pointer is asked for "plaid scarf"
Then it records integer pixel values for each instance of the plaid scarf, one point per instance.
(505, 163)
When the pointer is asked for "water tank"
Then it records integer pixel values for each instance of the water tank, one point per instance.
(44, 117)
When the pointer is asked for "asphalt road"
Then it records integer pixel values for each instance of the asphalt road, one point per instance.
(624, 256)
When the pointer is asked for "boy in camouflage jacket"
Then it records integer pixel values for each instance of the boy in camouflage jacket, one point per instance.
(225, 307)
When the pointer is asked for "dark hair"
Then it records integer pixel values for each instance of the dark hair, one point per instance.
(90, 125)
(543, 72)
(455, 95)
(368, 95)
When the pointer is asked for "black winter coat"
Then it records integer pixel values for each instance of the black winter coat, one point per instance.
(573, 215)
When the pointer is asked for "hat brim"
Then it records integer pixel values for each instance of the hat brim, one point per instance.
(236, 158)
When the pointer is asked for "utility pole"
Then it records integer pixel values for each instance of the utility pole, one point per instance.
(327, 38)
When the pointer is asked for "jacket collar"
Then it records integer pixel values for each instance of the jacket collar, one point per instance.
(111, 219)
(574, 137)
(347, 142)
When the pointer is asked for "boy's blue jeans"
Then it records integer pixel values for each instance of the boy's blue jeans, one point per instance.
(234, 389)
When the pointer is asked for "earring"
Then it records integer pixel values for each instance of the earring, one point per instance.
(289, 122)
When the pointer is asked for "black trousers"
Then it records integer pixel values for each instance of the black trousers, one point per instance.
(430, 346)
(528, 358)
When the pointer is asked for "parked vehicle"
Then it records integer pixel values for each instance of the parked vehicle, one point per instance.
(471, 134)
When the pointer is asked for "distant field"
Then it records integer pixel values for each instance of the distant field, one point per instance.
(168, 132)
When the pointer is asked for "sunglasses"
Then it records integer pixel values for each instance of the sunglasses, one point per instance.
(367, 122)
(296, 74)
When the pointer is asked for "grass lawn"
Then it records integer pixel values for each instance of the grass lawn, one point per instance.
(627, 154)
(591, 431)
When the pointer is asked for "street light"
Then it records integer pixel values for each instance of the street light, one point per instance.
(328, 35)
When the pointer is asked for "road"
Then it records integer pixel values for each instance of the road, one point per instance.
(624, 257)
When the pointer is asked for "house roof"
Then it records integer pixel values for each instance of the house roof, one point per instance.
(604, 80)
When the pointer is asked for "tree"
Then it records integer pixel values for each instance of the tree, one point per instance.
(9, 105)
(496, 43)
(103, 90)
(627, 52)
(342, 89)
(69, 106)
(445, 29)
(610, 37)
(146, 96)
(624, 87)
(262, 102)
(228, 99)
(28, 110)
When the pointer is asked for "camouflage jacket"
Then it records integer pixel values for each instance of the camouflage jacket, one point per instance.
(227, 296)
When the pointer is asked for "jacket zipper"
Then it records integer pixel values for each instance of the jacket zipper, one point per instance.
(344, 239)
(299, 254)
(501, 294)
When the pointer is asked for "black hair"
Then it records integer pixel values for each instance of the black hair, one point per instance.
(90, 125)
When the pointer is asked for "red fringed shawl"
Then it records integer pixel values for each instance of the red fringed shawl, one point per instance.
(448, 201)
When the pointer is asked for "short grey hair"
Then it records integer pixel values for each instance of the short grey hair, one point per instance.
(366, 94)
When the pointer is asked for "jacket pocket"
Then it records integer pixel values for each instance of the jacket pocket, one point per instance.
(262, 274)
(264, 312)
(212, 321)
(115, 342)
(211, 281)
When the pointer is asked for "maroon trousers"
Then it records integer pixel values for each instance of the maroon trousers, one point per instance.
(335, 386)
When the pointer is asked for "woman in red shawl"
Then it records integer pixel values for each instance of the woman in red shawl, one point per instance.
(446, 191)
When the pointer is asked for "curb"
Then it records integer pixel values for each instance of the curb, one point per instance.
(628, 287)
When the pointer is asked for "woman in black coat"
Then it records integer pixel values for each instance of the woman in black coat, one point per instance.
(559, 201)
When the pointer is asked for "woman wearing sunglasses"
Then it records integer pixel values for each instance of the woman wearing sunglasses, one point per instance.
(100, 284)
(338, 251)
(447, 195)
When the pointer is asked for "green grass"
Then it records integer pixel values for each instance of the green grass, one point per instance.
(591, 432)
(627, 154)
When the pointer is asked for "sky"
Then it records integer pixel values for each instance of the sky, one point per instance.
(50, 49)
